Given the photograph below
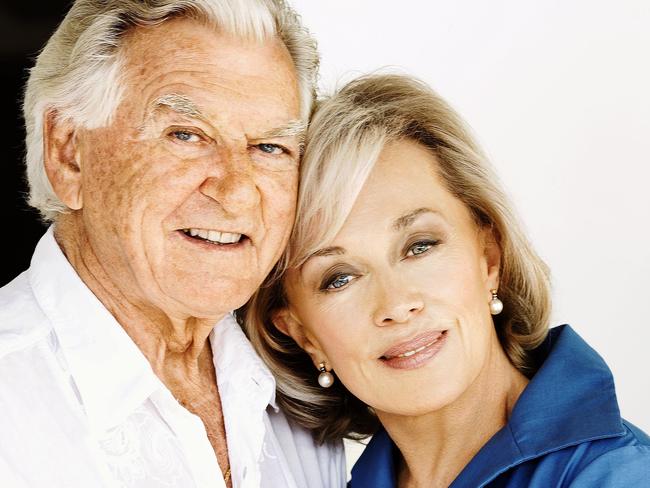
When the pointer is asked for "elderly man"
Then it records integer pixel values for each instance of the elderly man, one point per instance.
(163, 142)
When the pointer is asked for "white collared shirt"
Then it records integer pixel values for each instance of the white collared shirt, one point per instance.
(80, 405)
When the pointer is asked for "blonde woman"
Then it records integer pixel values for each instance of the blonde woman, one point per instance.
(409, 305)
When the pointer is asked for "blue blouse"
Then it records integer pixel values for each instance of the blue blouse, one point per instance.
(564, 431)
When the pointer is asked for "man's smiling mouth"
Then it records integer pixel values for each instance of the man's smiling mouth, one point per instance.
(214, 236)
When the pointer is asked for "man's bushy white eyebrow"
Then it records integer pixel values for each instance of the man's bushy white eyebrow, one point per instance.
(178, 103)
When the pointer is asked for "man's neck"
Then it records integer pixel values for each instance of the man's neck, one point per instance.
(436, 447)
(177, 348)
(168, 342)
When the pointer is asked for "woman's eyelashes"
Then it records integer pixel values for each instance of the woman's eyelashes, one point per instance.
(336, 280)
(420, 247)
(339, 282)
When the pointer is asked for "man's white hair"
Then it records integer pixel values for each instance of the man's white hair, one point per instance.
(77, 75)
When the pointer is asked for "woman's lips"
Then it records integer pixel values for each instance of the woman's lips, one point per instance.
(412, 354)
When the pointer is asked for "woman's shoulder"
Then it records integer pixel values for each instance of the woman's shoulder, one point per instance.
(635, 435)
(616, 462)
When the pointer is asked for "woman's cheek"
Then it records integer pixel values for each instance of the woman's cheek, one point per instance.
(343, 339)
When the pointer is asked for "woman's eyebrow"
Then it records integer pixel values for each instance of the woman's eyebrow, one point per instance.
(408, 219)
(399, 224)
(326, 251)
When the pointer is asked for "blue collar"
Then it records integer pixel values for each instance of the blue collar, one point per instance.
(570, 400)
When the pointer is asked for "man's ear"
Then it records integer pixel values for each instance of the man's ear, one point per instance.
(287, 323)
(492, 254)
(61, 156)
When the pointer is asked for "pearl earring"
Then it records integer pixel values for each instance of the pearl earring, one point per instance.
(496, 305)
(325, 378)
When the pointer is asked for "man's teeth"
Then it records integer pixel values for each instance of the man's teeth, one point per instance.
(214, 236)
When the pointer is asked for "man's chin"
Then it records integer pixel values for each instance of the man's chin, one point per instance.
(211, 302)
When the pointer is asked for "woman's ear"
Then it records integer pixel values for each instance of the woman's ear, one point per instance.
(62, 159)
(287, 323)
(492, 255)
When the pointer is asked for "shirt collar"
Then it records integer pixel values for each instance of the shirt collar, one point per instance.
(376, 465)
(247, 388)
(111, 374)
(570, 400)
(240, 371)
(557, 409)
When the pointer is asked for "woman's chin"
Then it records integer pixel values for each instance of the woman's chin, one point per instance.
(416, 398)
(413, 407)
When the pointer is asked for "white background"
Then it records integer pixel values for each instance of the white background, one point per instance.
(558, 94)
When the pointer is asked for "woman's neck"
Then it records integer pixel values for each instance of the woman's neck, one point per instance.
(436, 446)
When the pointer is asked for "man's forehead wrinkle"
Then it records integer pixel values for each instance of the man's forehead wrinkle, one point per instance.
(160, 72)
(217, 89)
(214, 96)
(211, 74)
(171, 97)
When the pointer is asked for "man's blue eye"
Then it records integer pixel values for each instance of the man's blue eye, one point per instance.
(270, 148)
(185, 136)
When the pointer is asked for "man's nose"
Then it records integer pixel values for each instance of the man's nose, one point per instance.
(231, 182)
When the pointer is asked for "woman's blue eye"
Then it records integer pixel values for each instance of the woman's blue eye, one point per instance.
(420, 248)
(339, 282)
(270, 148)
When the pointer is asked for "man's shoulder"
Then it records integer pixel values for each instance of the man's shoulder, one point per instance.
(286, 428)
(22, 321)
(302, 450)
(35, 405)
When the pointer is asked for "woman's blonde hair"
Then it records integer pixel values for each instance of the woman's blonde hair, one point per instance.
(346, 135)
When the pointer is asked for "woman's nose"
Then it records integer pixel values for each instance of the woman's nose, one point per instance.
(397, 304)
